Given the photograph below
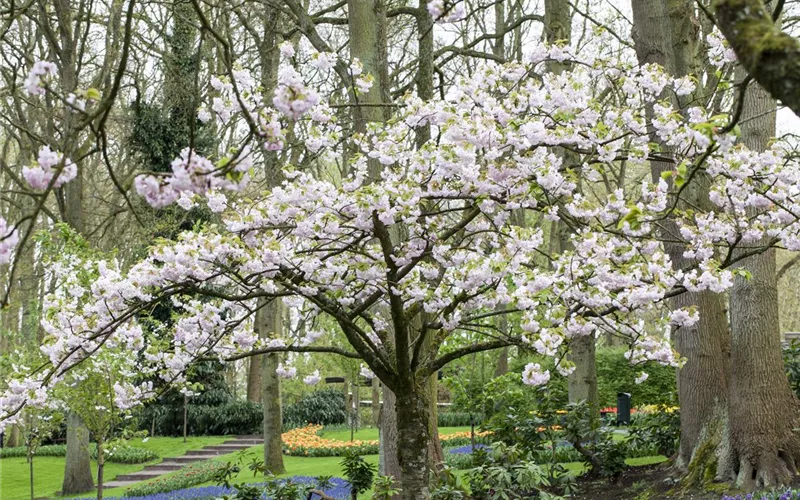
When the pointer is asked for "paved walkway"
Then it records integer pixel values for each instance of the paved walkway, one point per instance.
(177, 463)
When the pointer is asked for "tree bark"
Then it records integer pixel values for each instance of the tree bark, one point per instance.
(763, 411)
(659, 29)
(269, 319)
(254, 389)
(389, 464)
(770, 56)
(582, 382)
(77, 472)
(413, 442)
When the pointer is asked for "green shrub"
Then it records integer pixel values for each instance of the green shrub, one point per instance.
(229, 418)
(324, 407)
(616, 374)
(127, 455)
(791, 361)
(120, 454)
(192, 475)
(458, 419)
(50, 450)
(658, 432)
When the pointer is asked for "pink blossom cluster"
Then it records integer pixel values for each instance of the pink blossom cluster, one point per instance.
(39, 75)
(9, 238)
(447, 12)
(292, 97)
(49, 164)
(193, 173)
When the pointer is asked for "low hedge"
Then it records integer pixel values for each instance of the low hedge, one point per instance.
(119, 455)
(192, 475)
(458, 419)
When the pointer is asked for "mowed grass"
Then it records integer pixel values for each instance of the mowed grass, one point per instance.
(48, 472)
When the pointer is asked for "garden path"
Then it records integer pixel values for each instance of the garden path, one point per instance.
(177, 463)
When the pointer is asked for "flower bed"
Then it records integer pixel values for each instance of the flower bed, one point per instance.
(192, 475)
(306, 442)
(340, 489)
(770, 495)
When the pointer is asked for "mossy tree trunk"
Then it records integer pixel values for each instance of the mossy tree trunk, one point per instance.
(413, 440)
(763, 412)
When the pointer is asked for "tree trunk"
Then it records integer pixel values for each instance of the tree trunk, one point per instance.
(663, 34)
(269, 319)
(388, 462)
(12, 440)
(435, 451)
(413, 442)
(583, 381)
(101, 460)
(254, 379)
(77, 471)
(376, 402)
(763, 411)
(30, 470)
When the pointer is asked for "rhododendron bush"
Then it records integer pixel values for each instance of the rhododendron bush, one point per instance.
(430, 250)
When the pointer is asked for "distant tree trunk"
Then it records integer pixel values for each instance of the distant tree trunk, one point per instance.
(583, 381)
(389, 465)
(763, 413)
(77, 471)
(254, 389)
(12, 438)
(376, 401)
(502, 362)
(499, 48)
(270, 319)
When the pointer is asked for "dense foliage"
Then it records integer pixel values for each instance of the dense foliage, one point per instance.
(323, 407)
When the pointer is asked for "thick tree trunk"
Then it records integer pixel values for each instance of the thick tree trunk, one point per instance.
(664, 34)
(583, 381)
(435, 451)
(763, 412)
(269, 319)
(413, 442)
(77, 471)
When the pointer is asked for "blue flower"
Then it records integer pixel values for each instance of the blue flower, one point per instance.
(339, 489)
(467, 449)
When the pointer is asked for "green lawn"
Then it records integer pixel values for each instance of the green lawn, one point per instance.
(48, 472)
